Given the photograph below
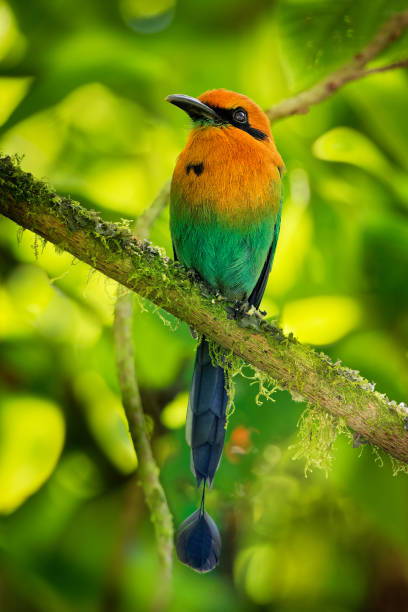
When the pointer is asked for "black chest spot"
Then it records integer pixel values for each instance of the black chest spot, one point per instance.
(198, 168)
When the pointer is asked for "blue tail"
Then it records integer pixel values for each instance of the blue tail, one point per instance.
(205, 426)
(198, 541)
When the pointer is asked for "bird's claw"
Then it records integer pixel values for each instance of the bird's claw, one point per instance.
(238, 310)
(245, 314)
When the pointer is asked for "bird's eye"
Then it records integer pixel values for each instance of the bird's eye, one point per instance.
(240, 115)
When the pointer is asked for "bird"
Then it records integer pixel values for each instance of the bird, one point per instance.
(225, 213)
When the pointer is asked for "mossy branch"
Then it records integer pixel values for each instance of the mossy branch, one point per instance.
(116, 252)
(354, 70)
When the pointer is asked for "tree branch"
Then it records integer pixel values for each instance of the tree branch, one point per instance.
(148, 471)
(114, 251)
(300, 104)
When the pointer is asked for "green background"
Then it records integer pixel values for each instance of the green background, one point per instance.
(82, 89)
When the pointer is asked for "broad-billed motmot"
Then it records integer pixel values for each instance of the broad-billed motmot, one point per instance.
(225, 210)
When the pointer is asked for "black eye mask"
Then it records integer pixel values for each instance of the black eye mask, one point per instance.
(229, 116)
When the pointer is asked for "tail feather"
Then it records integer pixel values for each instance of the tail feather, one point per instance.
(198, 542)
(205, 430)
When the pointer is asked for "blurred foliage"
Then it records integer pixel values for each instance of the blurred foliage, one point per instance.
(82, 88)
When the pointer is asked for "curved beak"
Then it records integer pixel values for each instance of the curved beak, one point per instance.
(193, 107)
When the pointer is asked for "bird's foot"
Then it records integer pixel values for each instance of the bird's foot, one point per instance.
(238, 310)
(246, 314)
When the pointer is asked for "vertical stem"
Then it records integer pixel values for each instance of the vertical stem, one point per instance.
(148, 471)
(147, 468)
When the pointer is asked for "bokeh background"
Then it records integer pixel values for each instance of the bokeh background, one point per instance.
(82, 88)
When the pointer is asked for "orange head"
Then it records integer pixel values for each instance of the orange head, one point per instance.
(230, 158)
(223, 108)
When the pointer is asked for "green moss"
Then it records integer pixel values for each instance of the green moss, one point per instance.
(234, 366)
(317, 433)
(378, 455)
(398, 467)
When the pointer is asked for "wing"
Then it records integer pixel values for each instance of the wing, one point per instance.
(259, 289)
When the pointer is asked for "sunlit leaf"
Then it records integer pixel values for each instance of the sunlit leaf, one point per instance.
(39, 138)
(344, 144)
(107, 420)
(40, 306)
(12, 90)
(174, 414)
(321, 319)
(11, 323)
(12, 43)
(31, 437)
(256, 566)
(294, 240)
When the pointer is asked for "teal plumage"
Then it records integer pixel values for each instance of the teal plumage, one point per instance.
(228, 258)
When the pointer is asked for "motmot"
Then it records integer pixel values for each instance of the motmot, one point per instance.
(225, 212)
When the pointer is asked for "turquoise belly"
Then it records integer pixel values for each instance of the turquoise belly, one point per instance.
(230, 260)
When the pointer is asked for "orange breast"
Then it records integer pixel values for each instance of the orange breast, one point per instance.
(230, 172)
